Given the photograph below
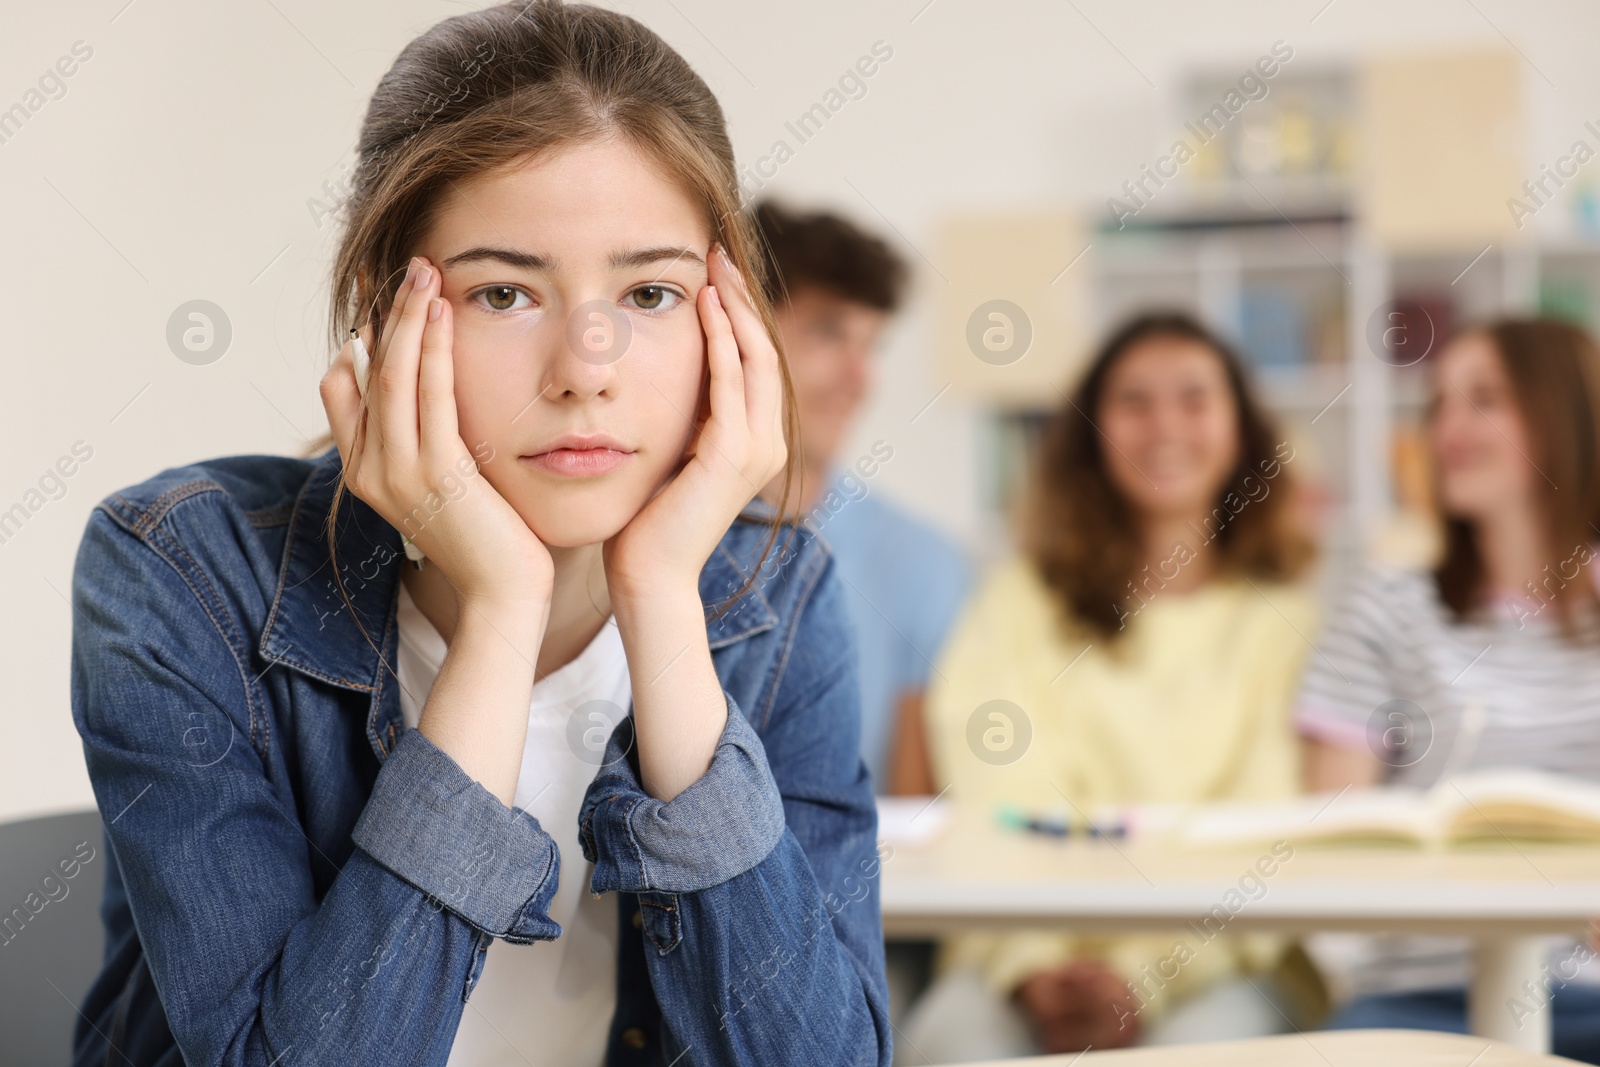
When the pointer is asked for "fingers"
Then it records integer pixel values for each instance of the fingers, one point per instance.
(378, 345)
(349, 413)
(341, 399)
(764, 390)
(436, 398)
(401, 294)
(763, 382)
(394, 403)
(727, 387)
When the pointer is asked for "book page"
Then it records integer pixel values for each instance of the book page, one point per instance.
(1385, 814)
(1514, 803)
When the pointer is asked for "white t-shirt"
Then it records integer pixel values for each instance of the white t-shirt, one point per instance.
(550, 1002)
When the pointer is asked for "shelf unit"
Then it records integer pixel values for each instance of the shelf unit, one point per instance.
(1342, 405)
(1296, 221)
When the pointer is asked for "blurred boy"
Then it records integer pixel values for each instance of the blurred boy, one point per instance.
(834, 288)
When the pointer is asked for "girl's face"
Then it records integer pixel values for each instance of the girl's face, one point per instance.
(1482, 449)
(1171, 427)
(571, 279)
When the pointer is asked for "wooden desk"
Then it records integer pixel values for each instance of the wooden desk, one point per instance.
(1323, 1048)
(975, 876)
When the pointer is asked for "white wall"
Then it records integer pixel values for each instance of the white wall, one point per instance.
(180, 162)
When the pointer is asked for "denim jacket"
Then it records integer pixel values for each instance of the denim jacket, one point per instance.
(300, 879)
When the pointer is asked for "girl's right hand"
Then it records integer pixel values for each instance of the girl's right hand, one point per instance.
(408, 449)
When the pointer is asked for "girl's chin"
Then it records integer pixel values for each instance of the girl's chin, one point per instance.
(1165, 507)
(1470, 507)
(574, 534)
(574, 524)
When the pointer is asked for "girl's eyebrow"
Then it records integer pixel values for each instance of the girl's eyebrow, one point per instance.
(539, 262)
(644, 257)
(511, 257)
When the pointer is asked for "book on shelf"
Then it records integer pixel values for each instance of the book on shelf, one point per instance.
(1273, 328)
(1014, 446)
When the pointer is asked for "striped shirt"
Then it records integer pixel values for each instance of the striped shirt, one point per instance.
(1396, 674)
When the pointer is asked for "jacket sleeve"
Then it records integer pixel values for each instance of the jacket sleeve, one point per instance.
(759, 883)
(250, 966)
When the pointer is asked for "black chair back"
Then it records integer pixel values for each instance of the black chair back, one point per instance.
(51, 941)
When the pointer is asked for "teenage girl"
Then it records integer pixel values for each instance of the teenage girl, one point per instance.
(1142, 648)
(371, 732)
(1487, 659)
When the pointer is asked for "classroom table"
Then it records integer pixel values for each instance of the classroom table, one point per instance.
(1322, 1048)
(974, 875)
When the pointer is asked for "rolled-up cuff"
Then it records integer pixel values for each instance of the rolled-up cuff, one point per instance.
(439, 829)
(723, 824)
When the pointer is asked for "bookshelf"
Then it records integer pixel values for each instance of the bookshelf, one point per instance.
(1293, 256)
(1351, 414)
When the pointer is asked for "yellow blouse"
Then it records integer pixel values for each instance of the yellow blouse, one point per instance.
(1194, 704)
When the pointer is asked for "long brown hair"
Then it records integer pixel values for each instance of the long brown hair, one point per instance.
(1554, 368)
(1080, 532)
(489, 89)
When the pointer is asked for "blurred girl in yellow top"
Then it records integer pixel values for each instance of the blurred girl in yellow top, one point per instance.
(1146, 647)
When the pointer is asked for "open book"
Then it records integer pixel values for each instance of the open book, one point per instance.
(1476, 806)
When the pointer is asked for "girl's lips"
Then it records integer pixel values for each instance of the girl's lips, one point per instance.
(579, 462)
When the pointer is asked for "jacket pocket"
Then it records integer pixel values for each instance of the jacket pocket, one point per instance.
(660, 918)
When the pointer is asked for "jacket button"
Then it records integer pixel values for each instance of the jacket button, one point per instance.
(638, 920)
(633, 1037)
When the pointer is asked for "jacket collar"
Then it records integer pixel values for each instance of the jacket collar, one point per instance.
(310, 629)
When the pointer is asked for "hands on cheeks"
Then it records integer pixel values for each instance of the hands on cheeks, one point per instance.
(400, 444)
(735, 452)
(653, 563)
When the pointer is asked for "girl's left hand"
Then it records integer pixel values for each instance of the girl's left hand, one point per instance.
(735, 453)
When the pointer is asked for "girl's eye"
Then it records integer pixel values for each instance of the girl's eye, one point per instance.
(654, 298)
(501, 297)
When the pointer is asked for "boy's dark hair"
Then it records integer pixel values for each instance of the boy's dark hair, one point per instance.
(828, 252)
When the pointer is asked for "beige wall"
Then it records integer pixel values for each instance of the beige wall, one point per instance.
(180, 162)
